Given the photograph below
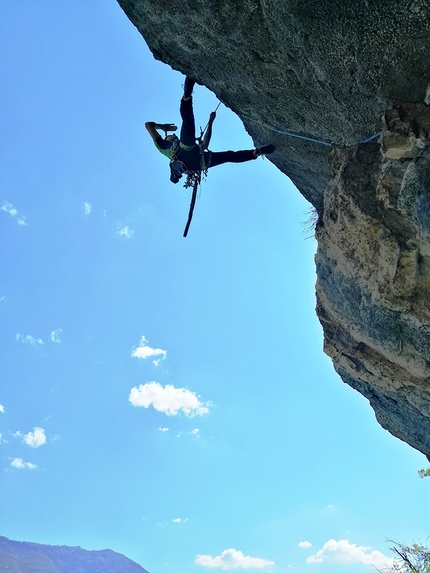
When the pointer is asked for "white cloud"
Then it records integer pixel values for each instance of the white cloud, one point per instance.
(9, 208)
(163, 429)
(2, 298)
(87, 208)
(34, 439)
(347, 553)
(19, 464)
(28, 339)
(232, 559)
(305, 544)
(179, 520)
(195, 433)
(168, 399)
(1, 409)
(125, 232)
(145, 351)
(55, 335)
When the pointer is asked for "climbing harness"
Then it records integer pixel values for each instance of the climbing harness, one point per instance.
(265, 126)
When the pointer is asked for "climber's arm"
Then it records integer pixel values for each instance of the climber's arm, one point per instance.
(152, 127)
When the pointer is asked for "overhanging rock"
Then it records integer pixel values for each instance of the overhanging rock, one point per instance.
(338, 72)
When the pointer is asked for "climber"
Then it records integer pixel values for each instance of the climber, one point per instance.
(187, 156)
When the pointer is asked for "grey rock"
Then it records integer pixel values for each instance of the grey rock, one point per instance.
(338, 72)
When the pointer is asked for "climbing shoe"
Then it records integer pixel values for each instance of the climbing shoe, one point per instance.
(188, 87)
(265, 150)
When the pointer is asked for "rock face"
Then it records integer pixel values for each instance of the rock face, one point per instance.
(337, 72)
(24, 557)
(373, 268)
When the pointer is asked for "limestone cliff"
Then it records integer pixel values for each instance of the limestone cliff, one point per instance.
(26, 557)
(338, 72)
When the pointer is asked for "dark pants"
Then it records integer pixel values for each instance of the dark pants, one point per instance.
(188, 128)
(212, 158)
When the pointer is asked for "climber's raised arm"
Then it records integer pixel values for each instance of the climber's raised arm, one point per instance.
(152, 127)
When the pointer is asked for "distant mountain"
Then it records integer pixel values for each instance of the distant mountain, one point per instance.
(26, 557)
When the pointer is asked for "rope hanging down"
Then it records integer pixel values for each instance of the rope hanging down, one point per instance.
(193, 202)
(290, 134)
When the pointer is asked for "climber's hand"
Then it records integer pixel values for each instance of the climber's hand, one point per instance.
(167, 127)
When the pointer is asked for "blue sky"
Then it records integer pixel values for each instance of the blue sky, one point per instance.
(165, 397)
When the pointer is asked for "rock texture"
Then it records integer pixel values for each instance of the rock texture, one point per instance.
(373, 268)
(338, 72)
(24, 557)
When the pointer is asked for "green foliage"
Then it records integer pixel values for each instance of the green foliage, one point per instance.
(413, 559)
(424, 472)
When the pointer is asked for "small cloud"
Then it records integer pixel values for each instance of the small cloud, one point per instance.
(305, 544)
(34, 439)
(179, 520)
(145, 351)
(28, 339)
(168, 399)
(195, 433)
(1, 409)
(232, 559)
(125, 232)
(87, 208)
(2, 298)
(163, 429)
(19, 464)
(55, 335)
(346, 553)
(9, 208)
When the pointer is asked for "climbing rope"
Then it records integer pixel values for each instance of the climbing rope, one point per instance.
(194, 179)
(265, 126)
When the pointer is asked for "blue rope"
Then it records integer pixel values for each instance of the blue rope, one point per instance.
(371, 137)
(265, 125)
